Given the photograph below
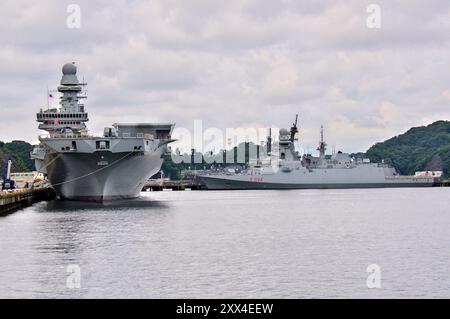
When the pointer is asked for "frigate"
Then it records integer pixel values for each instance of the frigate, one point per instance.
(83, 166)
(285, 168)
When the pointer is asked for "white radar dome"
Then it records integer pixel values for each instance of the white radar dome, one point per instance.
(69, 69)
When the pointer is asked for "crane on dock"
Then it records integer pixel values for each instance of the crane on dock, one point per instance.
(8, 183)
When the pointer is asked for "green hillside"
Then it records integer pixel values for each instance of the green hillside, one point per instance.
(19, 153)
(420, 148)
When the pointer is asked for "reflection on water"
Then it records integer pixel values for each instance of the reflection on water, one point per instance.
(119, 205)
(310, 243)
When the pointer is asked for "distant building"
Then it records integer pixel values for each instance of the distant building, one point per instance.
(24, 179)
(429, 173)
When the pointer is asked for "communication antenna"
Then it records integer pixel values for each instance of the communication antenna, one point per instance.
(322, 145)
(294, 129)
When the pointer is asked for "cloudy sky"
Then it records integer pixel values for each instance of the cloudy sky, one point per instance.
(234, 63)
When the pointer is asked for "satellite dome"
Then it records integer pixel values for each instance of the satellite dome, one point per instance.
(69, 77)
(69, 69)
(284, 132)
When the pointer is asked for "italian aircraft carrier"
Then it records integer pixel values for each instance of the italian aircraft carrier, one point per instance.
(287, 169)
(81, 166)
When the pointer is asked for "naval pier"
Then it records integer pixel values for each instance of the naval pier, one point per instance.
(181, 185)
(13, 200)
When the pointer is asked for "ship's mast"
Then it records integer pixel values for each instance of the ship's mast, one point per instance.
(322, 145)
(294, 129)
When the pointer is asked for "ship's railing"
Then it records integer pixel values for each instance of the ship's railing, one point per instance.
(225, 172)
(92, 136)
(411, 177)
(66, 136)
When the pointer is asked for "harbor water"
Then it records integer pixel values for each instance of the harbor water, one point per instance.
(232, 244)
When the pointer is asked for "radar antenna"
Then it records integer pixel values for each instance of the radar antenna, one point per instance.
(294, 129)
(322, 145)
(269, 142)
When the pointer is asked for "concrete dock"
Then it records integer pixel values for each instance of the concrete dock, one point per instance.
(159, 185)
(13, 200)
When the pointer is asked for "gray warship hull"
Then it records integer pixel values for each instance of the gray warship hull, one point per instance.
(299, 177)
(286, 169)
(79, 177)
(223, 183)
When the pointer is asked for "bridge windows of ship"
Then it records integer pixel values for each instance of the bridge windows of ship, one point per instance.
(62, 116)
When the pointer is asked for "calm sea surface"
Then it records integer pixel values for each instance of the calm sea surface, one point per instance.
(232, 244)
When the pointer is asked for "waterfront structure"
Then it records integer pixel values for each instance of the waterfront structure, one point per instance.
(12, 200)
(26, 179)
(81, 166)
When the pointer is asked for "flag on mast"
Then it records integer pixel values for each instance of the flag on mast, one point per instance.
(50, 95)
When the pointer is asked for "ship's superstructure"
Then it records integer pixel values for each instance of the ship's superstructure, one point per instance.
(87, 167)
(287, 169)
(71, 117)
